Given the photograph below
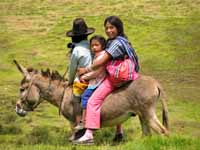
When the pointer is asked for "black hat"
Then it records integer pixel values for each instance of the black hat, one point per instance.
(79, 28)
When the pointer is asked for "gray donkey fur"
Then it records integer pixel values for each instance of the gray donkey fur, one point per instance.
(138, 97)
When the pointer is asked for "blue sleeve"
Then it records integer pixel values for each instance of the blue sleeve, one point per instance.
(115, 49)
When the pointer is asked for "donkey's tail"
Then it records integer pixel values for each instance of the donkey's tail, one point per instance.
(164, 106)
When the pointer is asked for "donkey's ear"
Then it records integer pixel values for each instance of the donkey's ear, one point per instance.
(22, 69)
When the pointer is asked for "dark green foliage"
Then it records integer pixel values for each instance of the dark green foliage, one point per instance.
(10, 129)
(38, 135)
(44, 135)
(10, 118)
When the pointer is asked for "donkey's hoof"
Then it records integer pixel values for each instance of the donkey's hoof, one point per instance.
(118, 138)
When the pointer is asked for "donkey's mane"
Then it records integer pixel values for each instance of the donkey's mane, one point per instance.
(53, 75)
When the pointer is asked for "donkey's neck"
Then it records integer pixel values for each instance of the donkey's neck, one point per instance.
(57, 93)
(51, 90)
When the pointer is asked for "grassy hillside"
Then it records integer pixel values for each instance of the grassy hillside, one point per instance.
(165, 34)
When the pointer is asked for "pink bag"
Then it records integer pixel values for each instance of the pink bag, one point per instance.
(121, 70)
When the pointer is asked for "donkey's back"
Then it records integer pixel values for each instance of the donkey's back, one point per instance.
(138, 97)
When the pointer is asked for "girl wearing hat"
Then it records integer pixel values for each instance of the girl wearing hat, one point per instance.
(80, 57)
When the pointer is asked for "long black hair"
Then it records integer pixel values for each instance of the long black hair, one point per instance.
(116, 21)
(76, 39)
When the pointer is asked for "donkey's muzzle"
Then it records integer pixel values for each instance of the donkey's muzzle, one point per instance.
(20, 111)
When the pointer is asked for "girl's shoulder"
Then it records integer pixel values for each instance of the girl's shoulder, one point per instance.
(114, 42)
(99, 54)
(118, 40)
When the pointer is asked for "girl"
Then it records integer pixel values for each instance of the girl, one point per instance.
(97, 45)
(115, 50)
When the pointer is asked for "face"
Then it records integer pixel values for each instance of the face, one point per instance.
(95, 46)
(29, 98)
(111, 31)
(29, 92)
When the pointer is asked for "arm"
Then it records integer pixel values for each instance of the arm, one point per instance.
(72, 68)
(93, 74)
(101, 62)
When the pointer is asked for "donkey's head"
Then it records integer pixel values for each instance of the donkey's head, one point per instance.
(38, 85)
(29, 92)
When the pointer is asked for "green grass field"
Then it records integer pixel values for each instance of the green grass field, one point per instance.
(166, 36)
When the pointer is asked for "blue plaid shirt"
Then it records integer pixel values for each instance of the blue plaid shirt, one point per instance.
(116, 49)
(119, 47)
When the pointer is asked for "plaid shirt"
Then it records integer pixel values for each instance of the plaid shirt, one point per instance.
(115, 49)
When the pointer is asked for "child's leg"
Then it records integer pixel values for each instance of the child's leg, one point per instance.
(84, 100)
(83, 115)
(76, 109)
(93, 110)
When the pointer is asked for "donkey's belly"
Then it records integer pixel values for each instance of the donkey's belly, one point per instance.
(115, 121)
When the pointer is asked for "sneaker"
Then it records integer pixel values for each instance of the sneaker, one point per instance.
(79, 133)
(80, 126)
(84, 142)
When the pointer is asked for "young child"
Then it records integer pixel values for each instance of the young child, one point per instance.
(80, 57)
(97, 45)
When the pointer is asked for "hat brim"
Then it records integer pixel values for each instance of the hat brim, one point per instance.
(89, 31)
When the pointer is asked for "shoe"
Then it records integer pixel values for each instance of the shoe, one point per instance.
(83, 142)
(80, 126)
(79, 134)
(118, 137)
(72, 137)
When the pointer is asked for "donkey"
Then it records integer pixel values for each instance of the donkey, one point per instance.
(139, 98)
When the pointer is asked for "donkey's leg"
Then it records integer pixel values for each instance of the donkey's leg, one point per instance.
(163, 129)
(156, 125)
(150, 116)
(145, 127)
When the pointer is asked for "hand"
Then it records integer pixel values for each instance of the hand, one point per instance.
(81, 71)
(82, 79)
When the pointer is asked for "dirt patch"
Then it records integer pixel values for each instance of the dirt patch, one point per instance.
(183, 124)
(34, 24)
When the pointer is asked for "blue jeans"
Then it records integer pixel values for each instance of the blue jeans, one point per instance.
(85, 96)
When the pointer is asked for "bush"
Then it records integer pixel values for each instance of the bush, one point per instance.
(44, 135)
(9, 118)
(38, 135)
(10, 129)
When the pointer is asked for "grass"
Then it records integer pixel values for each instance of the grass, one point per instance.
(151, 143)
(165, 35)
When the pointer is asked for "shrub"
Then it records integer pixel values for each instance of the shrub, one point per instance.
(38, 135)
(9, 118)
(10, 129)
